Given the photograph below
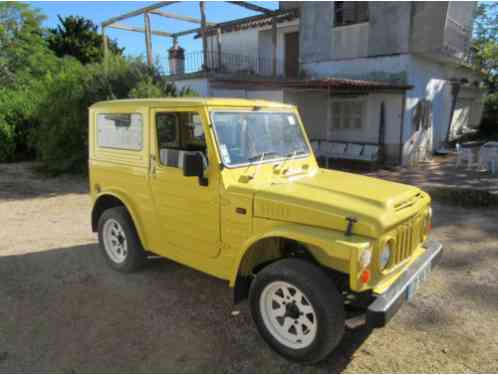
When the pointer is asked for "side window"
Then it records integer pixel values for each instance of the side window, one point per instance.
(178, 133)
(168, 132)
(120, 131)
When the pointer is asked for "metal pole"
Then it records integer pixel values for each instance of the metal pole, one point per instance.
(218, 45)
(148, 40)
(203, 33)
(274, 45)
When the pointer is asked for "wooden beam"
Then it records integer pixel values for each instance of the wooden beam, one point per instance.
(222, 25)
(187, 32)
(253, 7)
(203, 33)
(120, 26)
(137, 12)
(148, 40)
(274, 46)
(180, 17)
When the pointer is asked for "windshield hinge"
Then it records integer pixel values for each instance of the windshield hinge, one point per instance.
(351, 221)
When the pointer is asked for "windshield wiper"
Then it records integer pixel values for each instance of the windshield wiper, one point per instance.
(261, 157)
(296, 152)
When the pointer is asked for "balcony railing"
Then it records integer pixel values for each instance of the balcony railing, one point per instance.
(457, 41)
(226, 63)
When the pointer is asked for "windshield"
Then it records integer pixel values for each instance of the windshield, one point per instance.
(251, 137)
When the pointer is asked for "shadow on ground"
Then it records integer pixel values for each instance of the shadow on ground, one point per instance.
(65, 310)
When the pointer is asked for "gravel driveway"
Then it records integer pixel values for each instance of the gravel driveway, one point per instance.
(63, 310)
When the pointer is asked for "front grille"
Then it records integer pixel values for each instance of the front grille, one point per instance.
(408, 237)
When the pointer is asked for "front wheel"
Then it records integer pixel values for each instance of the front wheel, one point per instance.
(297, 310)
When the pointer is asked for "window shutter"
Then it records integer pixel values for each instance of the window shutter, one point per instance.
(338, 11)
(361, 11)
(349, 13)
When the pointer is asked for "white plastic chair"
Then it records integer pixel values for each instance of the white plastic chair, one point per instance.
(488, 155)
(315, 145)
(492, 160)
(337, 150)
(326, 151)
(464, 154)
(353, 151)
(370, 153)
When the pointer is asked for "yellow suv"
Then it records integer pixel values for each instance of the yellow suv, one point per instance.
(231, 187)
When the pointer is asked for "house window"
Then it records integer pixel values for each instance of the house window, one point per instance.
(347, 114)
(120, 130)
(349, 12)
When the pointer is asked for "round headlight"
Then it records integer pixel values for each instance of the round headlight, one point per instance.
(385, 255)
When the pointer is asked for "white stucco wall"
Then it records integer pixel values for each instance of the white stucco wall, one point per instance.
(266, 47)
(313, 107)
(272, 95)
(431, 82)
(199, 85)
(254, 43)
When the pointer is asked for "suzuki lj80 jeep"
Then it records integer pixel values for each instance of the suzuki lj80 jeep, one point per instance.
(231, 188)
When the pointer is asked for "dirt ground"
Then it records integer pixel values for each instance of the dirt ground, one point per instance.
(63, 310)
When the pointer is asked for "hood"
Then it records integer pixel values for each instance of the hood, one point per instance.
(327, 198)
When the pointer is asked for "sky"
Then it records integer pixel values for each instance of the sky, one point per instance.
(98, 11)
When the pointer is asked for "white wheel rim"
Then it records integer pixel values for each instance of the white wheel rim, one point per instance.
(115, 241)
(288, 315)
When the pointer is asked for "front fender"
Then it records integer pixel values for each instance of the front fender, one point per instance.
(330, 248)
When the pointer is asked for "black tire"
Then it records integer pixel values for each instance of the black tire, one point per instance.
(136, 256)
(324, 297)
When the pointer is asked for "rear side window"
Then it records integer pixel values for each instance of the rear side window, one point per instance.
(120, 131)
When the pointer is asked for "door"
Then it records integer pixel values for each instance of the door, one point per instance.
(292, 54)
(187, 207)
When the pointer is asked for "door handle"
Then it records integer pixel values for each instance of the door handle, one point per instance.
(152, 166)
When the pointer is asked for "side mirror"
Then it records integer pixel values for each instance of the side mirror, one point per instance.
(193, 165)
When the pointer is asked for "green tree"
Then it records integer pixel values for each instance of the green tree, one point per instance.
(485, 43)
(24, 54)
(25, 59)
(78, 37)
(61, 140)
(485, 48)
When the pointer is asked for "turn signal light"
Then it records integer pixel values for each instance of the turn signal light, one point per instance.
(365, 276)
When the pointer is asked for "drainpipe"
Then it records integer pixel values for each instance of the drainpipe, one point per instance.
(401, 131)
(382, 133)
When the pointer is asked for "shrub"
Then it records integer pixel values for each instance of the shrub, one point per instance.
(61, 138)
(16, 108)
(489, 124)
(7, 140)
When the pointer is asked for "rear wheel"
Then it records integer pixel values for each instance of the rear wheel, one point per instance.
(298, 310)
(118, 240)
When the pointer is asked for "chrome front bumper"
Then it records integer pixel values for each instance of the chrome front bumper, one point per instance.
(388, 303)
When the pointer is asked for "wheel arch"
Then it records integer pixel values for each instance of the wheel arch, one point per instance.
(263, 251)
(324, 247)
(108, 200)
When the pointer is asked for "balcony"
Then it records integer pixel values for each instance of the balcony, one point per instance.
(457, 41)
(214, 63)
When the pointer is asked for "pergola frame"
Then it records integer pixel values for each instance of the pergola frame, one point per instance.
(113, 23)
